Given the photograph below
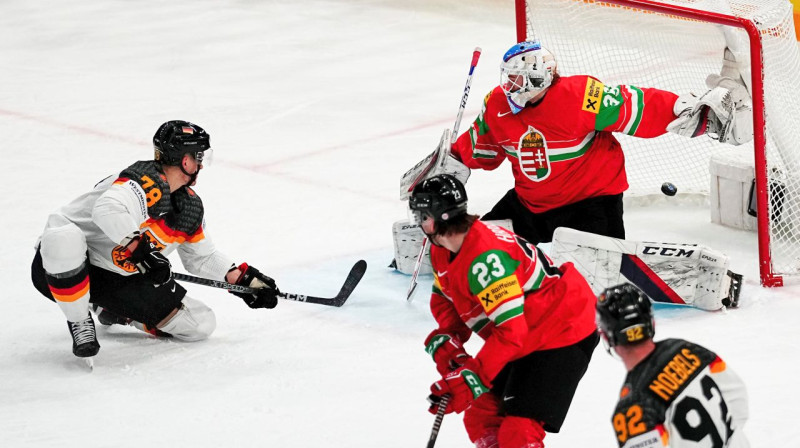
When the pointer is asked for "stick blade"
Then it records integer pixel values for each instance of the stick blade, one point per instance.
(353, 278)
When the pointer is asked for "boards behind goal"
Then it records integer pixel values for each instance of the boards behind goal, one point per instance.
(674, 45)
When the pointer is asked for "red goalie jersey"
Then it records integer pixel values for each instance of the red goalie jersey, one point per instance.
(507, 290)
(562, 149)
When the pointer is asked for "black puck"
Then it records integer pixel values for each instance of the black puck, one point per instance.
(669, 189)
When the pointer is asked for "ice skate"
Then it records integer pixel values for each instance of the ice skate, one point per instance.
(84, 338)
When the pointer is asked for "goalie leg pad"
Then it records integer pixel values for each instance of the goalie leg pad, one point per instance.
(671, 273)
(193, 322)
(408, 240)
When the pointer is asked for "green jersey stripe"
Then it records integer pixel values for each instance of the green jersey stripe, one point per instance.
(637, 102)
(572, 155)
(506, 306)
(483, 154)
(508, 315)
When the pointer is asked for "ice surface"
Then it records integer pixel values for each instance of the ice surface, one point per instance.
(315, 109)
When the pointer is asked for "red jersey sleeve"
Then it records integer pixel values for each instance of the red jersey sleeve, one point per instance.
(641, 112)
(478, 147)
(446, 314)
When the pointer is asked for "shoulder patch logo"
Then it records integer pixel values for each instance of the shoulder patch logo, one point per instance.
(492, 279)
(592, 95)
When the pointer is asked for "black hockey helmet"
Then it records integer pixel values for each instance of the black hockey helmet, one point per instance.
(625, 315)
(175, 138)
(442, 197)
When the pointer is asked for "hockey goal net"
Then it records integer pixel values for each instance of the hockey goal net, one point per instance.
(674, 45)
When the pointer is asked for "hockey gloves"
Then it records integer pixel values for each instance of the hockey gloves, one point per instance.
(463, 385)
(266, 294)
(447, 351)
(150, 262)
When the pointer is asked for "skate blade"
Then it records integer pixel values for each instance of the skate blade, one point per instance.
(89, 363)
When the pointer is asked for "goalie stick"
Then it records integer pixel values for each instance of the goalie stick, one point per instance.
(349, 285)
(453, 136)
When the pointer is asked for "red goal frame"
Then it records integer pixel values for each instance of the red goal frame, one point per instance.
(768, 277)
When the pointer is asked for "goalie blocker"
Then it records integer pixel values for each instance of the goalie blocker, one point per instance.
(684, 274)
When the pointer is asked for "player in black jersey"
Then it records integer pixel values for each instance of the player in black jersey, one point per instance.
(676, 393)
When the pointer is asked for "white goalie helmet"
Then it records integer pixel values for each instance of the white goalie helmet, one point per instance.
(527, 69)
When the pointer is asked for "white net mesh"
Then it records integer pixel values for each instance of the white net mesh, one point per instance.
(625, 45)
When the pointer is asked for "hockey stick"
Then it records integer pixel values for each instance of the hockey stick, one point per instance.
(437, 423)
(453, 137)
(349, 285)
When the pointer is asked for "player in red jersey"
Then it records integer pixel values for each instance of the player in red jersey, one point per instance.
(557, 133)
(677, 393)
(108, 248)
(536, 319)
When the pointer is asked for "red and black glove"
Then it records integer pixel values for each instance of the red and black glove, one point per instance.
(446, 350)
(150, 262)
(464, 385)
(266, 291)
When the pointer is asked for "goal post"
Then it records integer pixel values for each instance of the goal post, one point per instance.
(674, 45)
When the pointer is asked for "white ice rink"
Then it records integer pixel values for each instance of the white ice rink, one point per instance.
(315, 109)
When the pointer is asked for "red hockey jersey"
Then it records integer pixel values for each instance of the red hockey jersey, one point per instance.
(562, 149)
(508, 291)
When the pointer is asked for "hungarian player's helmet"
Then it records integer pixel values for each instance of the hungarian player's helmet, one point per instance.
(175, 138)
(527, 69)
(624, 315)
(442, 197)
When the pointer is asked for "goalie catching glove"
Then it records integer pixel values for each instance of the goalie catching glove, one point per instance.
(725, 112)
(464, 385)
(266, 291)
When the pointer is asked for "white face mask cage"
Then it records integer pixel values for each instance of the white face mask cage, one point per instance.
(527, 71)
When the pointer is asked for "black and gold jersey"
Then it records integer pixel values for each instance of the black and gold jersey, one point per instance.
(682, 395)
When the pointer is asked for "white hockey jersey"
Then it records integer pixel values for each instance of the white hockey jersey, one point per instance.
(681, 396)
(139, 199)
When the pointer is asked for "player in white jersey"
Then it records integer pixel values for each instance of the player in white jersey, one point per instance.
(108, 248)
(676, 393)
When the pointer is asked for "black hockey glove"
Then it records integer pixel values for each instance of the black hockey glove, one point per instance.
(150, 262)
(266, 294)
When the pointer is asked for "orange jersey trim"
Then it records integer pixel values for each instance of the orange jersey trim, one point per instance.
(717, 366)
(71, 294)
(169, 236)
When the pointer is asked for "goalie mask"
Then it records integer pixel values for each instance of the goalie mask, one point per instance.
(527, 70)
(442, 197)
(175, 138)
(624, 315)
